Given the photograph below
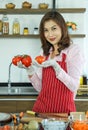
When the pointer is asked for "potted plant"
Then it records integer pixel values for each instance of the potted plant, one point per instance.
(72, 26)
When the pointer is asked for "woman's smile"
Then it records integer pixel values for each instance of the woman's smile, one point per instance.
(52, 39)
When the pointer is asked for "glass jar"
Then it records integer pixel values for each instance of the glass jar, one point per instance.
(36, 30)
(1, 26)
(16, 26)
(25, 31)
(5, 21)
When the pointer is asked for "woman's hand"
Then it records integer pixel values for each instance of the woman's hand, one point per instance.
(52, 63)
(30, 70)
(48, 63)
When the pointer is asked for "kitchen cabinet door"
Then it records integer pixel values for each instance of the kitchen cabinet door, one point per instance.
(8, 106)
(24, 106)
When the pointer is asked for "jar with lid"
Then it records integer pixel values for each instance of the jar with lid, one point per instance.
(36, 30)
(16, 26)
(25, 31)
(5, 21)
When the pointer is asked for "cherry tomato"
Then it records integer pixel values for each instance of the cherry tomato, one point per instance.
(40, 59)
(26, 60)
(16, 59)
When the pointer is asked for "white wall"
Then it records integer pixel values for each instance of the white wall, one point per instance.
(10, 47)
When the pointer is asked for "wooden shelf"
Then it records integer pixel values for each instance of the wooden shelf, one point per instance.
(40, 11)
(83, 89)
(83, 86)
(19, 36)
(72, 10)
(37, 36)
(77, 35)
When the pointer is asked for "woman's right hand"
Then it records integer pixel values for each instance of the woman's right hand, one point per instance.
(30, 70)
(20, 65)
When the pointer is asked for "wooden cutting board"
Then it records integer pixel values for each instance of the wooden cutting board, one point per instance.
(58, 116)
(28, 119)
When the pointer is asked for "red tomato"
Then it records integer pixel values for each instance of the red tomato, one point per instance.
(26, 60)
(6, 127)
(1, 127)
(40, 59)
(16, 59)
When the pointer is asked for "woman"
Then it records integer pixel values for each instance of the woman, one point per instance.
(56, 79)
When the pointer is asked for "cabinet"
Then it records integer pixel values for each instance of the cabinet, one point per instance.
(15, 104)
(39, 12)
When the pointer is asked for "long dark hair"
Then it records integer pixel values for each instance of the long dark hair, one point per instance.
(65, 39)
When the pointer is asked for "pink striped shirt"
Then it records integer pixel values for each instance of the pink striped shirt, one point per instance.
(75, 64)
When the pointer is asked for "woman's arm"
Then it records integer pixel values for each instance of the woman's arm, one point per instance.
(75, 64)
(36, 80)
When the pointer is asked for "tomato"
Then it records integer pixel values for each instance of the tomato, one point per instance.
(40, 59)
(1, 128)
(26, 60)
(6, 127)
(16, 59)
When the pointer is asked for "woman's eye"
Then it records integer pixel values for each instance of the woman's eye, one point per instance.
(45, 30)
(54, 28)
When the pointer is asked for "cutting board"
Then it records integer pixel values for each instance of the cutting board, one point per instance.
(58, 116)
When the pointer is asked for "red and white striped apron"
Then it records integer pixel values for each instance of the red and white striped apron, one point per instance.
(54, 97)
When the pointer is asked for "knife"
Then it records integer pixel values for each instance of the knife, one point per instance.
(36, 114)
(48, 115)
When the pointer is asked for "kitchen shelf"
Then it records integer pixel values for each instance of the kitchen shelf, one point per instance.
(83, 89)
(83, 86)
(40, 11)
(37, 36)
(19, 36)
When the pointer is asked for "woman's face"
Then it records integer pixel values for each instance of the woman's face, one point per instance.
(52, 32)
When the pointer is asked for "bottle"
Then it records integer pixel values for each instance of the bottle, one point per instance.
(81, 81)
(5, 21)
(84, 80)
(16, 26)
(1, 26)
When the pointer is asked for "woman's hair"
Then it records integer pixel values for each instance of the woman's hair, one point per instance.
(59, 20)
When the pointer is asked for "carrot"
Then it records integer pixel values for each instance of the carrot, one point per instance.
(21, 114)
(79, 125)
(14, 116)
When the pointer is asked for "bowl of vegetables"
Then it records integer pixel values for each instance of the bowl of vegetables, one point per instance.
(78, 121)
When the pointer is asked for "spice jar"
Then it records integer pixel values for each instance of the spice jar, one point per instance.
(16, 26)
(36, 30)
(25, 31)
(5, 21)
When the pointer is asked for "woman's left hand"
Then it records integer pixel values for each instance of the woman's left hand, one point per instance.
(52, 63)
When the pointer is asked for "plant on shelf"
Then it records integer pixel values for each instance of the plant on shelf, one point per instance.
(71, 25)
